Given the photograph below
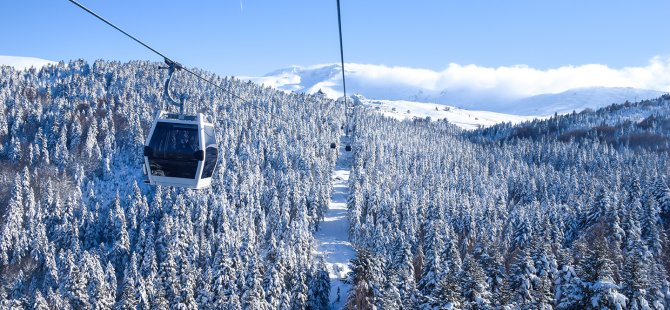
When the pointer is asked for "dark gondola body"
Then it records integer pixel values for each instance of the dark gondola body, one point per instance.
(180, 151)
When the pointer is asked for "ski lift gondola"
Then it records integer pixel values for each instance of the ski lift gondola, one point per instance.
(181, 150)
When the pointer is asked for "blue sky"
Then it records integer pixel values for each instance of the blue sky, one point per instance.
(255, 37)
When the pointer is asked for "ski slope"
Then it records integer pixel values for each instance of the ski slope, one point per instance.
(332, 238)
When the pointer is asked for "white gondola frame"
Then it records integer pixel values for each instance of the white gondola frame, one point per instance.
(195, 183)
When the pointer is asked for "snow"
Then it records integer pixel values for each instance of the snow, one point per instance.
(21, 63)
(614, 298)
(474, 92)
(580, 99)
(333, 234)
(466, 119)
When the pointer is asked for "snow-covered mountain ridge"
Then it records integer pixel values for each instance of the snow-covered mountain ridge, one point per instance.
(466, 119)
(21, 62)
(454, 87)
(580, 99)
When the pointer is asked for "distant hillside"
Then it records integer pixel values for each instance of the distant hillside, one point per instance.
(639, 125)
(579, 99)
(20, 63)
(418, 85)
(466, 119)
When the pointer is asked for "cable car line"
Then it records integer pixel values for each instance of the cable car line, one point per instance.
(180, 150)
(168, 61)
(174, 65)
(344, 83)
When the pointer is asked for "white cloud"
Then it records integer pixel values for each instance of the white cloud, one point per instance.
(505, 89)
(514, 81)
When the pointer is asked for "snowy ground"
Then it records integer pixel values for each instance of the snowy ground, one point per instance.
(332, 238)
(466, 119)
(21, 63)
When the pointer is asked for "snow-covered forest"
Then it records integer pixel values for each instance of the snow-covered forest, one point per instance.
(571, 212)
(80, 230)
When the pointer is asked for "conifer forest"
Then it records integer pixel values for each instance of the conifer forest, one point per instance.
(564, 212)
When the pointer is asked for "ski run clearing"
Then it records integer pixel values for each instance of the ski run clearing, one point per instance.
(333, 234)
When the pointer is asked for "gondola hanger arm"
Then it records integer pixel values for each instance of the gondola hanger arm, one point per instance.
(173, 66)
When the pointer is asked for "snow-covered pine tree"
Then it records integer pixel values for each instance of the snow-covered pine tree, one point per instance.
(603, 292)
(361, 296)
(474, 286)
(319, 287)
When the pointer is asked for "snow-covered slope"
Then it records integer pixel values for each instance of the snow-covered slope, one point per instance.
(372, 81)
(333, 235)
(20, 63)
(466, 119)
(579, 99)
(473, 93)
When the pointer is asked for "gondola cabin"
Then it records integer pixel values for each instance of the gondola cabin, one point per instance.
(180, 151)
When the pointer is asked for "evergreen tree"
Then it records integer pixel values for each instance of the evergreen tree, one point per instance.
(129, 298)
(569, 289)
(40, 303)
(12, 239)
(603, 293)
(390, 298)
(75, 284)
(474, 285)
(661, 193)
(448, 292)
(522, 277)
(319, 286)
(361, 295)
(635, 280)
(546, 269)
